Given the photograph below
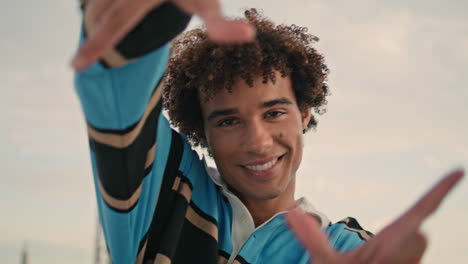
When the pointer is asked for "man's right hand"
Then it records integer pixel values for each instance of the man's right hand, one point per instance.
(401, 242)
(113, 19)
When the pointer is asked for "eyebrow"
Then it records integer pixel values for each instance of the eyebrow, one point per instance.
(222, 112)
(231, 111)
(279, 101)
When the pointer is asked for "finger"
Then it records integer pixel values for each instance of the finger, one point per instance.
(223, 31)
(393, 239)
(402, 248)
(114, 24)
(418, 247)
(218, 28)
(409, 251)
(431, 200)
(95, 8)
(308, 232)
(102, 35)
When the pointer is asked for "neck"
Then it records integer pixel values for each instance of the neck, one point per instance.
(263, 209)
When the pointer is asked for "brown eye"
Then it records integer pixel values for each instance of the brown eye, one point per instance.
(227, 122)
(274, 114)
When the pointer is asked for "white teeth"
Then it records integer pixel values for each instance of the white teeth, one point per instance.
(262, 167)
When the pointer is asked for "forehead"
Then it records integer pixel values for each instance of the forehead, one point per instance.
(244, 96)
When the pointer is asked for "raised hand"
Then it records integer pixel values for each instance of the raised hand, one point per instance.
(401, 242)
(112, 19)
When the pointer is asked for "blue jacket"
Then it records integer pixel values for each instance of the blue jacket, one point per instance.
(157, 200)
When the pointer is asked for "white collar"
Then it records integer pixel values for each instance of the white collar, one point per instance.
(242, 222)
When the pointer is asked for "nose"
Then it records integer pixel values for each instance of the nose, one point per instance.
(258, 138)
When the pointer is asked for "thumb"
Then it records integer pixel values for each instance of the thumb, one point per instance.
(228, 31)
(308, 232)
(219, 29)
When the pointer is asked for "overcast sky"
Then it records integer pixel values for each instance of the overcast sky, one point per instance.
(395, 122)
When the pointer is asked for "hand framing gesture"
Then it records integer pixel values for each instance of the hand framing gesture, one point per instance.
(112, 19)
(401, 242)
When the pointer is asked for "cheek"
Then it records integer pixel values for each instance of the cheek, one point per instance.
(294, 139)
(293, 132)
(220, 144)
(296, 156)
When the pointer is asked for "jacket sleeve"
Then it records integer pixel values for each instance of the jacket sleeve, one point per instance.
(130, 140)
(347, 235)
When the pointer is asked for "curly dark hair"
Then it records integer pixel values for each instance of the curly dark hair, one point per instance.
(198, 63)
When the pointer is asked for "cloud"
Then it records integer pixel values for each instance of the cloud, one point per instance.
(42, 252)
(395, 121)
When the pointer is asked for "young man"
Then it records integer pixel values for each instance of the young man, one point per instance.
(248, 105)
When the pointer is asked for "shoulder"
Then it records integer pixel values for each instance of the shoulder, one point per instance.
(347, 234)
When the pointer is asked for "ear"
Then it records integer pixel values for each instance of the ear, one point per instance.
(306, 115)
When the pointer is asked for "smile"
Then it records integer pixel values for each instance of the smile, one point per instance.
(260, 167)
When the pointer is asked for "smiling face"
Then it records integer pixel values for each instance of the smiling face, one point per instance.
(255, 136)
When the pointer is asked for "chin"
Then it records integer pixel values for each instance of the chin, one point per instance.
(265, 195)
(269, 196)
